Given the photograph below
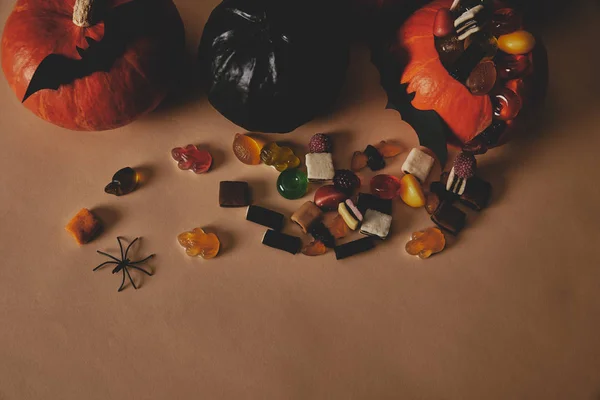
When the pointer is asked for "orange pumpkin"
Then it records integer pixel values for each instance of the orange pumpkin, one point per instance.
(465, 114)
(114, 80)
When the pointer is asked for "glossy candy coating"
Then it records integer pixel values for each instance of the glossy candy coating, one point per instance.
(247, 148)
(504, 21)
(388, 150)
(507, 104)
(281, 158)
(328, 197)
(411, 192)
(483, 78)
(443, 25)
(385, 186)
(426, 243)
(511, 66)
(199, 243)
(123, 182)
(292, 184)
(519, 42)
(191, 158)
(449, 49)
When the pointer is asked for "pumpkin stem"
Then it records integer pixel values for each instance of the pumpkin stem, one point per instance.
(82, 13)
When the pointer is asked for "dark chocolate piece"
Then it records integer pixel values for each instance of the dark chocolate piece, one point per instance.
(281, 241)
(375, 160)
(439, 188)
(449, 218)
(234, 194)
(353, 248)
(367, 201)
(265, 217)
(477, 194)
(320, 232)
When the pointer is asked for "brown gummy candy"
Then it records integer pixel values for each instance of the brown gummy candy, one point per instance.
(315, 248)
(359, 161)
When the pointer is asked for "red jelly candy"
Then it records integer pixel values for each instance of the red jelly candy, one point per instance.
(385, 186)
(504, 21)
(511, 66)
(443, 24)
(507, 104)
(192, 158)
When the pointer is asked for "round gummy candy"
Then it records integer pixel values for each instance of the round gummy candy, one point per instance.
(292, 184)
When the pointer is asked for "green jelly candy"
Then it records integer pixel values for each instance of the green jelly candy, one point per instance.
(292, 184)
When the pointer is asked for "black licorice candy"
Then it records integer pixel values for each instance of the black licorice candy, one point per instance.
(477, 194)
(449, 218)
(367, 201)
(353, 248)
(375, 160)
(265, 217)
(281, 241)
(320, 232)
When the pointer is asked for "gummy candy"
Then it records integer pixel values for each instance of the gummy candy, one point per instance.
(199, 243)
(388, 150)
(359, 161)
(385, 186)
(507, 104)
(123, 182)
(328, 197)
(483, 78)
(281, 158)
(426, 243)
(338, 227)
(511, 66)
(292, 184)
(247, 148)
(314, 248)
(411, 192)
(519, 42)
(432, 203)
(192, 158)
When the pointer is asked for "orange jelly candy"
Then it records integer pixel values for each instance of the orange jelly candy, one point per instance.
(388, 150)
(247, 148)
(338, 227)
(199, 243)
(315, 248)
(425, 243)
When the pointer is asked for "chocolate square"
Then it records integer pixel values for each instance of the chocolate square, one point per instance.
(477, 194)
(449, 218)
(234, 194)
(367, 201)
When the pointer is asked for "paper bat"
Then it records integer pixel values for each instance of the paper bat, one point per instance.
(431, 129)
(121, 25)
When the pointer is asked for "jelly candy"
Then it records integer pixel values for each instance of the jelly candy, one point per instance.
(388, 150)
(281, 158)
(192, 158)
(84, 226)
(506, 104)
(292, 184)
(483, 78)
(443, 25)
(504, 21)
(123, 182)
(426, 243)
(411, 192)
(314, 248)
(359, 161)
(511, 66)
(199, 243)
(247, 148)
(328, 198)
(519, 42)
(385, 186)
(432, 202)
(338, 227)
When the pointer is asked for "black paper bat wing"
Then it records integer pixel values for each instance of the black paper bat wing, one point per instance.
(121, 25)
(431, 129)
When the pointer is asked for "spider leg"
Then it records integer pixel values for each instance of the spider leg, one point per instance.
(108, 255)
(130, 280)
(104, 263)
(145, 259)
(122, 282)
(128, 247)
(140, 269)
(121, 247)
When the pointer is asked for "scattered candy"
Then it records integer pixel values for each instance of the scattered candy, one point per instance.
(483, 78)
(419, 164)
(84, 226)
(507, 104)
(449, 218)
(281, 241)
(388, 150)
(519, 42)
(376, 223)
(265, 217)
(385, 186)
(192, 158)
(350, 214)
(247, 148)
(338, 227)
(346, 181)
(375, 160)
(411, 192)
(353, 248)
(306, 215)
(314, 248)
(328, 197)
(124, 181)
(432, 203)
(281, 158)
(320, 143)
(320, 232)
(319, 167)
(292, 184)
(199, 243)
(366, 201)
(359, 161)
(234, 194)
(511, 66)
(426, 243)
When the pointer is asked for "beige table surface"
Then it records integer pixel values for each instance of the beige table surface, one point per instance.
(510, 310)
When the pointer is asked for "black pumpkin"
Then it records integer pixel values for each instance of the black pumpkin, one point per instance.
(273, 65)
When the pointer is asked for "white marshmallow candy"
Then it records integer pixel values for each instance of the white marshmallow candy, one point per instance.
(319, 167)
(419, 164)
(376, 223)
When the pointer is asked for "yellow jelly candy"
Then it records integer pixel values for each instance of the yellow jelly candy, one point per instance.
(247, 148)
(425, 243)
(199, 243)
(519, 42)
(411, 192)
(281, 158)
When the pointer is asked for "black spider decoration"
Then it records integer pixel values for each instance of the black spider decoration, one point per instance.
(124, 263)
